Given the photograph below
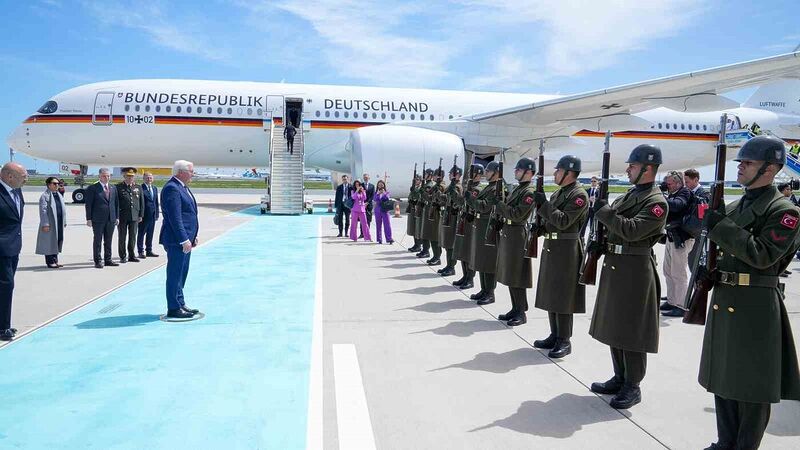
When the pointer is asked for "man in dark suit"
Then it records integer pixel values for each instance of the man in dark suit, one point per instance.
(593, 191)
(369, 188)
(343, 192)
(178, 235)
(147, 227)
(692, 179)
(12, 206)
(131, 211)
(102, 215)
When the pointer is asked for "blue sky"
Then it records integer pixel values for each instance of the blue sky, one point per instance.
(47, 46)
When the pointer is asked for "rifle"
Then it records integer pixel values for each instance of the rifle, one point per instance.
(413, 181)
(462, 218)
(532, 249)
(597, 240)
(495, 224)
(697, 295)
(431, 210)
(450, 189)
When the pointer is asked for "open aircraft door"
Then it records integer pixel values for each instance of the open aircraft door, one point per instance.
(274, 109)
(102, 109)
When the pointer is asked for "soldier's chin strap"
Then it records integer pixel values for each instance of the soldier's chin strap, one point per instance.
(566, 172)
(761, 171)
(641, 173)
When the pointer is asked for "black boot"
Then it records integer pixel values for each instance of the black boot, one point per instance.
(415, 248)
(547, 343)
(479, 296)
(507, 316)
(487, 299)
(447, 272)
(520, 319)
(434, 261)
(629, 395)
(468, 284)
(611, 386)
(423, 254)
(460, 281)
(562, 348)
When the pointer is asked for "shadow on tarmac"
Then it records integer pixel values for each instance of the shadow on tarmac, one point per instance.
(553, 418)
(500, 362)
(134, 320)
(414, 276)
(426, 290)
(465, 329)
(440, 307)
(44, 268)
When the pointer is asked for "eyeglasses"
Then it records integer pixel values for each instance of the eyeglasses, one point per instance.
(54, 183)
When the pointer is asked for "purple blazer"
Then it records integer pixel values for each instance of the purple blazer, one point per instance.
(359, 202)
(379, 198)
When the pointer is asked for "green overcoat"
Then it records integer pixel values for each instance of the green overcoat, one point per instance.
(482, 257)
(450, 199)
(462, 244)
(513, 268)
(411, 219)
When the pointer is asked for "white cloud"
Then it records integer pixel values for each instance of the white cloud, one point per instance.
(163, 31)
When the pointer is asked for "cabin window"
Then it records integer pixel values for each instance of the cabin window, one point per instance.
(249, 111)
(219, 110)
(188, 109)
(659, 125)
(422, 117)
(336, 114)
(327, 113)
(259, 111)
(451, 117)
(667, 125)
(177, 109)
(230, 111)
(683, 126)
(209, 110)
(412, 117)
(374, 115)
(136, 108)
(147, 108)
(690, 126)
(431, 116)
(697, 127)
(169, 108)
(346, 114)
(402, 116)
(704, 128)
(127, 107)
(158, 108)
(317, 114)
(674, 126)
(393, 116)
(383, 115)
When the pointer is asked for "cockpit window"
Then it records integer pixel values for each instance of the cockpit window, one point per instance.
(49, 108)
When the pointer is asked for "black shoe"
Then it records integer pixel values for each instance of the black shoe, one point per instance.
(665, 306)
(460, 281)
(111, 263)
(487, 299)
(562, 348)
(441, 270)
(190, 310)
(133, 259)
(339, 235)
(13, 332)
(546, 343)
(121, 261)
(628, 396)
(466, 285)
(448, 272)
(98, 265)
(141, 256)
(480, 295)
(151, 255)
(507, 316)
(674, 312)
(415, 248)
(785, 274)
(390, 242)
(179, 314)
(423, 254)
(716, 446)
(611, 387)
(434, 262)
(6, 335)
(521, 319)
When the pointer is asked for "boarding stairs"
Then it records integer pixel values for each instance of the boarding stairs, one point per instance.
(286, 173)
(737, 138)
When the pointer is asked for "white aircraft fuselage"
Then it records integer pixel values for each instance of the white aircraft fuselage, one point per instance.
(221, 123)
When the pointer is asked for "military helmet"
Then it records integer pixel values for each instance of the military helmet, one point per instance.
(428, 172)
(569, 162)
(645, 154)
(763, 148)
(455, 170)
(526, 164)
(493, 166)
(477, 169)
(439, 172)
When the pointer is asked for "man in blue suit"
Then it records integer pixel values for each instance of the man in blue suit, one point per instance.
(12, 206)
(147, 227)
(178, 235)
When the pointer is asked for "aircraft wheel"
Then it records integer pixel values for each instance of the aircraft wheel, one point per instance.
(78, 196)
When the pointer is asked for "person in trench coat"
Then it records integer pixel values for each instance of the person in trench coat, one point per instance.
(52, 221)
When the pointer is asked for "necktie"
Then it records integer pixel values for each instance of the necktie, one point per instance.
(17, 202)
(105, 189)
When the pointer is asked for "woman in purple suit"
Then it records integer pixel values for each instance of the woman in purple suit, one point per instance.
(381, 216)
(358, 213)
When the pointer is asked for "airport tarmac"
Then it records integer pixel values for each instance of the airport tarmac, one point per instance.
(313, 341)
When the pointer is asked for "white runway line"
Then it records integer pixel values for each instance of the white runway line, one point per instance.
(352, 414)
(314, 420)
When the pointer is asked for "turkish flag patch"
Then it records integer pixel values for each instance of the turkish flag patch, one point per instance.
(579, 201)
(657, 211)
(474, 193)
(789, 221)
(528, 200)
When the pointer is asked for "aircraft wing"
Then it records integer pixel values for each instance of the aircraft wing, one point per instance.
(614, 108)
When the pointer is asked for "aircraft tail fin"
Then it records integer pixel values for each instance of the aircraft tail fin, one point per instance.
(781, 96)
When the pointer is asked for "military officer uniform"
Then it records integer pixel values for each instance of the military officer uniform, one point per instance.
(557, 289)
(513, 268)
(749, 358)
(483, 258)
(131, 212)
(432, 216)
(462, 243)
(626, 311)
(450, 200)
(411, 217)
(420, 213)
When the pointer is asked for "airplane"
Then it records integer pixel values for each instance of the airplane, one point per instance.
(355, 130)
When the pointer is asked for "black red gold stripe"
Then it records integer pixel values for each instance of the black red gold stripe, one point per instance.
(71, 118)
(208, 121)
(652, 135)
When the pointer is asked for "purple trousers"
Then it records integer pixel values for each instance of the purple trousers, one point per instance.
(361, 217)
(382, 221)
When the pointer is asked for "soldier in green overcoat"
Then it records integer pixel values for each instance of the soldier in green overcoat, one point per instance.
(513, 268)
(411, 219)
(482, 257)
(131, 212)
(462, 244)
(626, 311)
(421, 213)
(557, 289)
(432, 217)
(749, 358)
(450, 199)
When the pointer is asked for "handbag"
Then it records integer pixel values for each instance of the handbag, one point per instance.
(349, 202)
(387, 205)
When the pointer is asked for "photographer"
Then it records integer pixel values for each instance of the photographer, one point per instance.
(678, 245)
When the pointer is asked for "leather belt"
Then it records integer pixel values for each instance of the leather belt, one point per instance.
(477, 215)
(745, 279)
(509, 223)
(619, 249)
(555, 235)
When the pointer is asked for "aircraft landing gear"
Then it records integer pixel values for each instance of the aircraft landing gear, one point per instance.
(79, 194)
